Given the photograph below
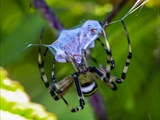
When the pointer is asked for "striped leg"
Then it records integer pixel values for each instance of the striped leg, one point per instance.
(41, 68)
(52, 74)
(110, 54)
(69, 59)
(80, 94)
(64, 86)
(108, 66)
(77, 84)
(61, 87)
(84, 58)
(108, 51)
(125, 69)
(44, 56)
(100, 74)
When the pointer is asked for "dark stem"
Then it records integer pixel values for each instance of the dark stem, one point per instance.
(114, 11)
(98, 106)
(48, 14)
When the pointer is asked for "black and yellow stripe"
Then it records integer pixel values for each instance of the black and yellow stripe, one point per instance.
(89, 88)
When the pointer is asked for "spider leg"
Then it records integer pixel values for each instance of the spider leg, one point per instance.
(71, 61)
(53, 66)
(77, 85)
(108, 53)
(101, 74)
(80, 94)
(52, 73)
(64, 85)
(125, 69)
(41, 68)
(84, 57)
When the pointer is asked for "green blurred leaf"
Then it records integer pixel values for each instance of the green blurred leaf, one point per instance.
(15, 103)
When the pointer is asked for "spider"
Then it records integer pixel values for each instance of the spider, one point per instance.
(67, 49)
(84, 76)
(71, 47)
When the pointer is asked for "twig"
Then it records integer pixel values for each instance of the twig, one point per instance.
(98, 106)
(114, 11)
(48, 14)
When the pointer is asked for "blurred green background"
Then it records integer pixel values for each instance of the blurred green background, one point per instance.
(136, 99)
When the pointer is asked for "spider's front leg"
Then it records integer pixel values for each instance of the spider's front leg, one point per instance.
(110, 60)
(44, 78)
(41, 68)
(109, 56)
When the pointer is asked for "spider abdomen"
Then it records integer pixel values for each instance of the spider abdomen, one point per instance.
(89, 89)
(88, 84)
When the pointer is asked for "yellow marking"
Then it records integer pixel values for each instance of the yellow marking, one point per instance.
(107, 44)
(130, 49)
(125, 69)
(39, 58)
(128, 60)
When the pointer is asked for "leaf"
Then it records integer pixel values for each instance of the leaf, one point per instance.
(15, 103)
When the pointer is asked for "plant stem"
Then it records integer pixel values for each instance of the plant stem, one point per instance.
(48, 14)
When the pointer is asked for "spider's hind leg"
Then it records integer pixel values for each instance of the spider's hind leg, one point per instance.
(41, 62)
(101, 74)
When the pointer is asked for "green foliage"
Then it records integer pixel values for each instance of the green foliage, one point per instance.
(136, 99)
(15, 103)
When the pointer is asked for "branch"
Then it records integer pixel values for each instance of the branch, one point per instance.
(48, 14)
(114, 11)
